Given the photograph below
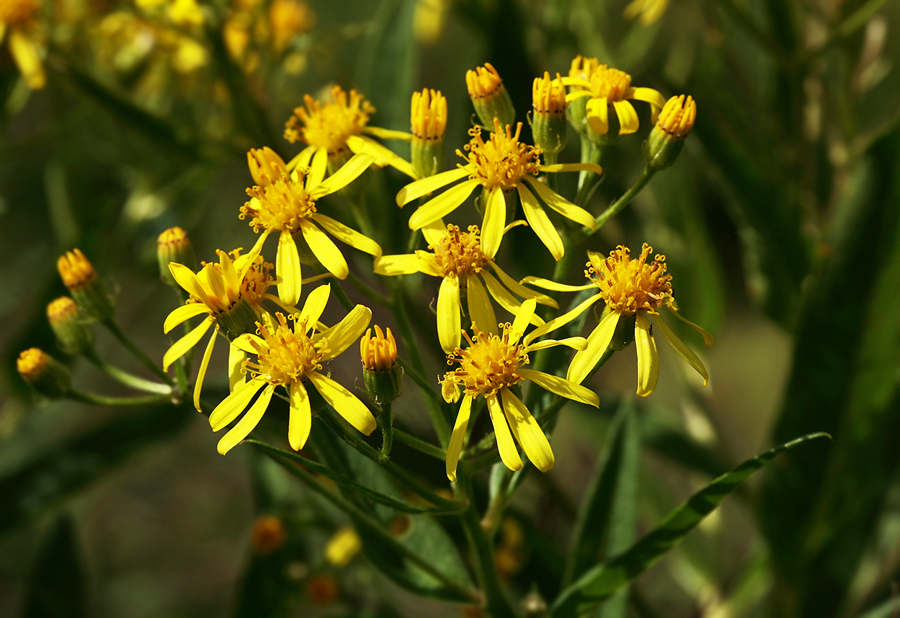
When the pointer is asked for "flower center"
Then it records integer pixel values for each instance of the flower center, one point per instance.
(610, 83)
(629, 286)
(502, 161)
(256, 280)
(328, 126)
(489, 363)
(15, 12)
(459, 253)
(279, 203)
(289, 354)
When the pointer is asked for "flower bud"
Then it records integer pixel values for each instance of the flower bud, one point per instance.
(72, 334)
(489, 96)
(173, 245)
(548, 123)
(85, 286)
(44, 373)
(381, 372)
(667, 137)
(428, 120)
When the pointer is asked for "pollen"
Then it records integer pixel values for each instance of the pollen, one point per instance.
(459, 253)
(503, 160)
(483, 82)
(280, 200)
(631, 285)
(678, 116)
(289, 354)
(610, 83)
(329, 125)
(490, 363)
(548, 95)
(75, 269)
(429, 114)
(16, 12)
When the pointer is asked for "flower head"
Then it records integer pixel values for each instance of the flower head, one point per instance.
(428, 119)
(489, 96)
(379, 353)
(548, 122)
(72, 334)
(491, 366)
(287, 19)
(291, 356)
(44, 373)
(631, 288)
(285, 202)
(18, 19)
(499, 165)
(84, 284)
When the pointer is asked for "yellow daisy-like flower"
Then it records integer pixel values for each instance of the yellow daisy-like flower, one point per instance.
(491, 366)
(631, 288)
(18, 21)
(499, 166)
(230, 293)
(607, 87)
(292, 357)
(285, 202)
(336, 128)
(460, 260)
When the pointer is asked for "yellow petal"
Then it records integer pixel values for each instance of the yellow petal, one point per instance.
(248, 423)
(597, 342)
(314, 306)
(520, 290)
(576, 343)
(561, 320)
(392, 265)
(628, 118)
(244, 262)
(480, 311)
(346, 332)
(428, 264)
(229, 274)
(682, 349)
(458, 436)
(189, 282)
(434, 232)
(707, 338)
(656, 100)
(349, 171)
(180, 347)
(562, 205)
(647, 356)
(235, 403)
(236, 358)
(598, 116)
(424, 186)
(344, 402)
(572, 167)
(547, 284)
(494, 222)
(204, 365)
(324, 249)
(300, 420)
(244, 344)
(540, 222)
(287, 267)
(527, 432)
(317, 169)
(26, 56)
(562, 387)
(506, 300)
(346, 234)
(302, 159)
(182, 313)
(448, 321)
(388, 134)
(382, 155)
(442, 205)
(523, 318)
(508, 451)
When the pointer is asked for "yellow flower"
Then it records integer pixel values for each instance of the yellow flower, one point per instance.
(333, 129)
(292, 357)
(460, 260)
(285, 202)
(287, 19)
(342, 547)
(18, 19)
(230, 293)
(630, 288)
(607, 86)
(498, 166)
(647, 12)
(491, 366)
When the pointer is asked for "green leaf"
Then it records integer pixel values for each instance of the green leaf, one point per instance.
(56, 587)
(65, 469)
(604, 580)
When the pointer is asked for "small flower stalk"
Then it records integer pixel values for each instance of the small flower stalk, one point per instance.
(489, 96)
(173, 245)
(671, 129)
(428, 120)
(44, 373)
(84, 285)
(72, 335)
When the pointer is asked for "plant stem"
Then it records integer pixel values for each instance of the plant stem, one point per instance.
(590, 153)
(342, 297)
(491, 518)
(126, 378)
(117, 332)
(420, 445)
(368, 291)
(551, 158)
(117, 402)
(387, 429)
(617, 206)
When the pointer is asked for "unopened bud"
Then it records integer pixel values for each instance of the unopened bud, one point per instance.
(44, 373)
(173, 245)
(428, 120)
(489, 96)
(380, 369)
(85, 286)
(72, 334)
(548, 122)
(667, 137)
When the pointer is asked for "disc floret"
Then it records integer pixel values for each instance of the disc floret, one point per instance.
(631, 285)
(503, 160)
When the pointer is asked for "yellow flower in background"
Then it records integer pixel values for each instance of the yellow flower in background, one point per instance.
(336, 129)
(647, 12)
(460, 260)
(630, 288)
(292, 357)
(491, 366)
(499, 165)
(285, 202)
(607, 87)
(288, 19)
(342, 547)
(230, 293)
(19, 25)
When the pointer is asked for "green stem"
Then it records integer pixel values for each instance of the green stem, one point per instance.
(126, 378)
(387, 429)
(590, 153)
(414, 239)
(423, 384)
(420, 445)
(552, 158)
(117, 402)
(617, 206)
(342, 297)
(495, 600)
(136, 351)
(495, 509)
(368, 291)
